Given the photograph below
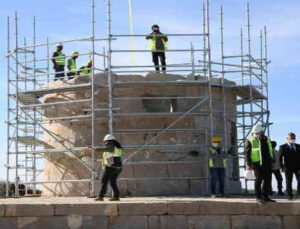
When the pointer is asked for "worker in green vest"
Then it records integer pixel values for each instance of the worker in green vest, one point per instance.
(87, 69)
(217, 165)
(72, 65)
(260, 157)
(58, 60)
(111, 165)
(158, 45)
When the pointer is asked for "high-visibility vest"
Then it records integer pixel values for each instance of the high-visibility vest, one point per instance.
(108, 157)
(73, 64)
(152, 44)
(211, 160)
(60, 58)
(256, 150)
(85, 71)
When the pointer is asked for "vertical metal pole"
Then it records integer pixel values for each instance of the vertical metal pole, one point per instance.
(243, 106)
(93, 192)
(17, 108)
(26, 126)
(204, 39)
(193, 59)
(223, 89)
(104, 59)
(262, 78)
(8, 108)
(34, 109)
(109, 70)
(209, 72)
(48, 60)
(249, 63)
(267, 77)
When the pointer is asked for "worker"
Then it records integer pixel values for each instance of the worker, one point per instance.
(111, 165)
(290, 163)
(158, 46)
(87, 69)
(58, 60)
(260, 156)
(217, 165)
(72, 65)
(276, 171)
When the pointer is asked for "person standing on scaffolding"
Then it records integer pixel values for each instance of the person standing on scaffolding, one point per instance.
(111, 165)
(58, 60)
(72, 67)
(158, 46)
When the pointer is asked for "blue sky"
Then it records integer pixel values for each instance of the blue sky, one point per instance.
(60, 20)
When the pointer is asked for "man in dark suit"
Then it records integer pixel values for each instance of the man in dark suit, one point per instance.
(290, 163)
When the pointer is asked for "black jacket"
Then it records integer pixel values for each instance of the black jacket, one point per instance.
(289, 159)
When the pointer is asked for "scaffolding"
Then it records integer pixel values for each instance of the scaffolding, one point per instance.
(27, 75)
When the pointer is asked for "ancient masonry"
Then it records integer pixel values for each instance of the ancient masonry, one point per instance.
(151, 171)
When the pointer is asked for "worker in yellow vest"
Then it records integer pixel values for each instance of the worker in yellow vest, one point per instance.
(87, 69)
(217, 165)
(158, 45)
(58, 60)
(260, 157)
(111, 165)
(72, 67)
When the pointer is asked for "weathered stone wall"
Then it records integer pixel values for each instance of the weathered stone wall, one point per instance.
(76, 213)
(171, 171)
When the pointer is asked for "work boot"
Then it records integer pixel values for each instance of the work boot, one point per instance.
(260, 201)
(270, 200)
(99, 198)
(114, 199)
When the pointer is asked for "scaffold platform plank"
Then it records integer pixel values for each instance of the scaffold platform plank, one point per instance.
(31, 140)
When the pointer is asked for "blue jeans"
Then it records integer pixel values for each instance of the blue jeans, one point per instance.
(217, 175)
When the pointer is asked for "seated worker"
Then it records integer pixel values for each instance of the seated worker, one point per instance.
(86, 70)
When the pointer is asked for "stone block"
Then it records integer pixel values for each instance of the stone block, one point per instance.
(183, 208)
(57, 222)
(150, 171)
(143, 208)
(8, 222)
(156, 187)
(186, 169)
(291, 222)
(125, 222)
(29, 210)
(209, 222)
(2, 210)
(199, 187)
(95, 209)
(227, 208)
(290, 208)
(255, 221)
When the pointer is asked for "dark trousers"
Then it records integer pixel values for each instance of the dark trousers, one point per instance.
(71, 75)
(155, 58)
(279, 179)
(289, 180)
(217, 175)
(59, 74)
(263, 178)
(110, 175)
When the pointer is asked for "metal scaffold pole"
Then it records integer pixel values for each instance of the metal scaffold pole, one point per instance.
(8, 108)
(34, 109)
(262, 84)
(249, 62)
(109, 68)
(267, 76)
(93, 192)
(17, 109)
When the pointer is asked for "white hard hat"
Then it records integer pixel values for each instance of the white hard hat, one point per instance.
(257, 129)
(59, 45)
(109, 137)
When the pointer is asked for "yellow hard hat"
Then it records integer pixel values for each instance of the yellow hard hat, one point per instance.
(216, 139)
(75, 53)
